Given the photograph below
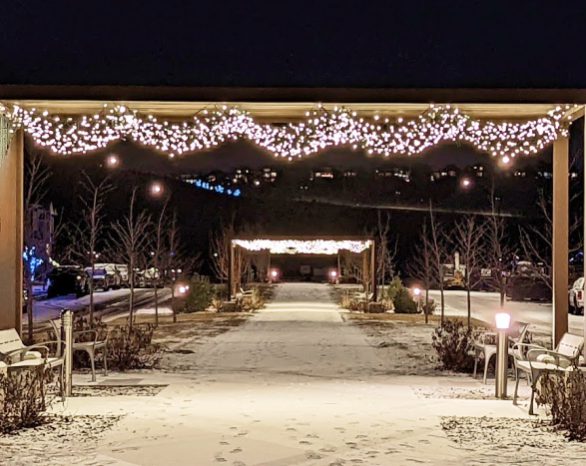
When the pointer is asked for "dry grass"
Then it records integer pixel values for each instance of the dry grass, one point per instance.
(361, 318)
(189, 325)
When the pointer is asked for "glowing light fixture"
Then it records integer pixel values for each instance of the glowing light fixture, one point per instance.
(318, 246)
(112, 161)
(321, 129)
(503, 320)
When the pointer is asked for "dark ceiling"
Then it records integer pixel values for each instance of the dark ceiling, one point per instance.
(406, 44)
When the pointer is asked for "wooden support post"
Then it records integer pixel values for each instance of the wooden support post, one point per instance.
(268, 277)
(238, 280)
(584, 222)
(364, 271)
(373, 277)
(231, 270)
(560, 238)
(11, 226)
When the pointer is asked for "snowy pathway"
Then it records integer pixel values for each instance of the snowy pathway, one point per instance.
(295, 385)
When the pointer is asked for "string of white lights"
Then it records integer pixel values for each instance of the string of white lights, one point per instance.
(320, 129)
(318, 246)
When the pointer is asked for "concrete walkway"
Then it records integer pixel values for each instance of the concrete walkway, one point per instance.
(295, 385)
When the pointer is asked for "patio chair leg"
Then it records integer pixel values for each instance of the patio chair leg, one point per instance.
(91, 354)
(105, 360)
(516, 387)
(61, 381)
(486, 361)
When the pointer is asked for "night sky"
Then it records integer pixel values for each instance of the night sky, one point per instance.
(320, 43)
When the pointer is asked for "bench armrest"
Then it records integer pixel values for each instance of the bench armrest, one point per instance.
(22, 351)
(521, 350)
(533, 354)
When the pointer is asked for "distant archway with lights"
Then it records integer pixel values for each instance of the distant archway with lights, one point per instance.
(363, 246)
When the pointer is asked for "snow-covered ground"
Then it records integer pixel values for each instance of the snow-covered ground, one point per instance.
(299, 383)
(486, 304)
(108, 301)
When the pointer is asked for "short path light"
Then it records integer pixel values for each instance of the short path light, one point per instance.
(503, 321)
(417, 295)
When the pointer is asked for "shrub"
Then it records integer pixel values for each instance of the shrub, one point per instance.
(565, 395)
(201, 292)
(453, 343)
(404, 303)
(23, 398)
(132, 347)
(388, 293)
(429, 307)
(375, 307)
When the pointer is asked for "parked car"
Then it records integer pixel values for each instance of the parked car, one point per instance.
(576, 297)
(525, 283)
(66, 280)
(148, 278)
(108, 276)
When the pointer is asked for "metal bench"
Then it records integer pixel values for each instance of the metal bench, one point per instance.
(15, 355)
(533, 360)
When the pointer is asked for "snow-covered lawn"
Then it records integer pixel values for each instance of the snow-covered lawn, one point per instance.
(110, 300)
(298, 383)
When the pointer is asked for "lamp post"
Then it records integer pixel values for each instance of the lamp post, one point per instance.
(417, 294)
(67, 324)
(503, 320)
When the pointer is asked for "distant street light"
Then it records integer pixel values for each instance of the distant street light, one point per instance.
(112, 161)
(466, 183)
(156, 189)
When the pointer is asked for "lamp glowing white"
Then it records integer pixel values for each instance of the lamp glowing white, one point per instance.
(503, 320)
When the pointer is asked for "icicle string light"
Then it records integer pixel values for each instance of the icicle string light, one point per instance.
(321, 129)
(318, 246)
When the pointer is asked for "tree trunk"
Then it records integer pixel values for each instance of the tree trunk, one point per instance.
(131, 296)
(91, 319)
(442, 303)
(468, 304)
(29, 306)
(156, 304)
(426, 304)
(173, 302)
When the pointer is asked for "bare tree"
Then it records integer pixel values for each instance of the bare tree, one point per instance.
(173, 258)
(220, 248)
(420, 266)
(468, 236)
(438, 246)
(157, 256)
(386, 254)
(37, 175)
(536, 241)
(88, 231)
(498, 250)
(353, 265)
(131, 235)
